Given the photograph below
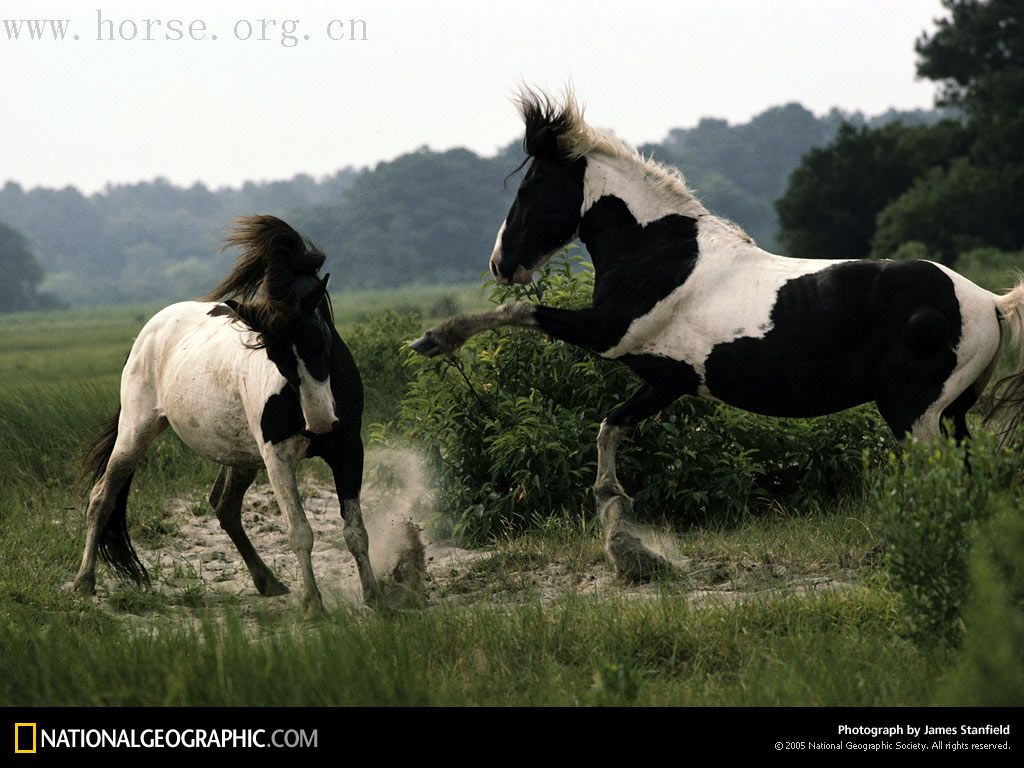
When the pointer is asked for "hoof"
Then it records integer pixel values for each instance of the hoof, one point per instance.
(314, 611)
(633, 561)
(84, 585)
(426, 346)
(271, 587)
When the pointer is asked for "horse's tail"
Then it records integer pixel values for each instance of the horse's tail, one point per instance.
(115, 547)
(1007, 411)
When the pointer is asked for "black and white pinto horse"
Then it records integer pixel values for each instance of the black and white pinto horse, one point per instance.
(254, 374)
(694, 307)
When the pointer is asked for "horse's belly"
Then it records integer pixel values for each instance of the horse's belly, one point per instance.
(213, 424)
(791, 380)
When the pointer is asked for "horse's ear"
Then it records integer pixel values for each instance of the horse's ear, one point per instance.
(314, 297)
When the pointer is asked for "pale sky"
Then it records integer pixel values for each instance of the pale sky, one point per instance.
(87, 112)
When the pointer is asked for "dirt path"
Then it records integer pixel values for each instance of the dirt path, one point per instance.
(198, 567)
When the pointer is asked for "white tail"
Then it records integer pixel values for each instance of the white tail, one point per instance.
(1008, 394)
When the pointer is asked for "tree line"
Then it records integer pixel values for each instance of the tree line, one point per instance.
(425, 217)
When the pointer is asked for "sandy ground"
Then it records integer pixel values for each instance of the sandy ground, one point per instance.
(198, 565)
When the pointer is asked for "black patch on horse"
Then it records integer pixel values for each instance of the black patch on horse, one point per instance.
(851, 333)
(664, 373)
(282, 417)
(635, 266)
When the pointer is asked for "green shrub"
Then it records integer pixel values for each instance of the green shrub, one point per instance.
(377, 345)
(511, 424)
(991, 268)
(992, 673)
(930, 501)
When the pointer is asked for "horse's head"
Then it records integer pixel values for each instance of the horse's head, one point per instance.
(546, 213)
(283, 300)
(300, 347)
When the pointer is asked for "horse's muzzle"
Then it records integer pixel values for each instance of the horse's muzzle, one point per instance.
(309, 434)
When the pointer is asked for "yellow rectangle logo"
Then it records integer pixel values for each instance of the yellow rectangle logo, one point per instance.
(19, 748)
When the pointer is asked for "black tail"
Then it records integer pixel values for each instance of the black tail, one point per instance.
(115, 547)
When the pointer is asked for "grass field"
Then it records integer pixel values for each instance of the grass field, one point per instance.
(772, 644)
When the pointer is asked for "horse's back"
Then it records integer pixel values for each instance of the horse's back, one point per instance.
(794, 337)
(191, 365)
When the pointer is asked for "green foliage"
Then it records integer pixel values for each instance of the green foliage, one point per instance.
(991, 268)
(952, 209)
(950, 187)
(930, 503)
(512, 421)
(976, 55)
(834, 196)
(378, 344)
(992, 672)
(22, 273)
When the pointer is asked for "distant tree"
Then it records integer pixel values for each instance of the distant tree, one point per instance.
(949, 210)
(977, 57)
(20, 274)
(833, 199)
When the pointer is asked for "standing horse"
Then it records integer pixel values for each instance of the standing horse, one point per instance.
(261, 379)
(694, 307)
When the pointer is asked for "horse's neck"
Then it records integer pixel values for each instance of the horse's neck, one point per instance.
(649, 193)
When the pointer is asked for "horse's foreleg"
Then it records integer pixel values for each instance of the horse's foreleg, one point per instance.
(587, 328)
(345, 458)
(226, 500)
(631, 559)
(281, 473)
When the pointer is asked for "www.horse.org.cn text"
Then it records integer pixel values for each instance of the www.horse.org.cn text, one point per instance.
(288, 33)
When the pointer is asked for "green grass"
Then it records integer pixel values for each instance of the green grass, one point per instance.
(826, 650)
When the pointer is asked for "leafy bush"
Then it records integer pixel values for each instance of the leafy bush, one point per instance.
(992, 673)
(377, 344)
(930, 502)
(511, 424)
(991, 268)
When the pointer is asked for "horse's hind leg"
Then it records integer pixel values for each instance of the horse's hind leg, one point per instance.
(128, 443)
(631, 559)
(226, 500)
(281, 472)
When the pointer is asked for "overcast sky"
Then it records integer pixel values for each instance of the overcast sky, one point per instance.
(88, 112)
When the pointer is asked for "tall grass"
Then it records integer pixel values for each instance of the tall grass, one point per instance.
(826, 650)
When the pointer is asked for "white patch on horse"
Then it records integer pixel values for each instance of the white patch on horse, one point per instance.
(979, 343)
(495, 260)
(204, 379)
(722, 300)
(627, 177)
(316, 399)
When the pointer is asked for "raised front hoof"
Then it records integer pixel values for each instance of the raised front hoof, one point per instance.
(84, 585)
(633, 562)
(270, 586)
(426, 345)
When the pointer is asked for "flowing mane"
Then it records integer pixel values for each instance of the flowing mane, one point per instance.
(563, 119)
(277, 268)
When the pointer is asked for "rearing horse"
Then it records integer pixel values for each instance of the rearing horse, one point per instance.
(694, 307)
(254, 374)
